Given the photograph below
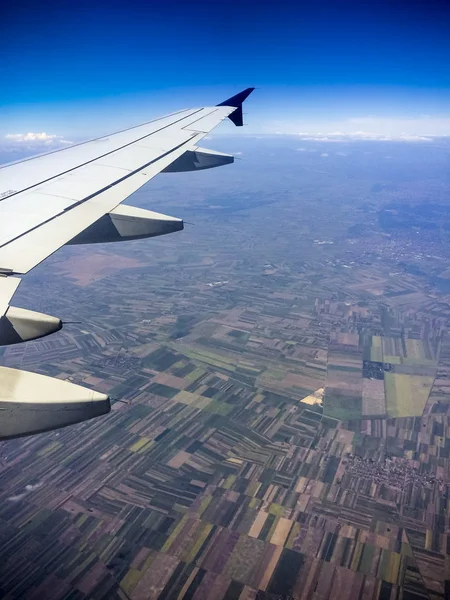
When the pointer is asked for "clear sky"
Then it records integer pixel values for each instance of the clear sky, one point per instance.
(79, 69)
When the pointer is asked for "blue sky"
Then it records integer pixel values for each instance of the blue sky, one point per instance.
(81, 69)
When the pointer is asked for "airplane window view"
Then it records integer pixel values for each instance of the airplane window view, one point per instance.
(256, 406)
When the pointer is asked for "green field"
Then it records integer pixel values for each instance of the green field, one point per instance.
(406, 395)
(400, 352)
(376, 350)
(342, 407)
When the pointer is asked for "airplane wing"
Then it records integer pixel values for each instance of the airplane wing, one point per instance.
(73, 196)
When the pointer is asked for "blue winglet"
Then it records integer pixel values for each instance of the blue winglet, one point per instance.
(236, 116)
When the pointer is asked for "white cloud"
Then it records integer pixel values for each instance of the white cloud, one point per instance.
(407, 128)
(339, 136)
(36, 137)
(423, 125)
(28, 488)
(16, 498)
(324, 154)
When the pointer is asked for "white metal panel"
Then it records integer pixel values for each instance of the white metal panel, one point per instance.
(22, 386)
(21, 213)
(144, 151)
(170, 137)
(8, 286)
(30, 172)
(130, 158)
(131, 222)
(207, 120)
(83, 182)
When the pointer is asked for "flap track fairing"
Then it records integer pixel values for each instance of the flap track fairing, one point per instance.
(32, 403)
(128, 223)
(21, 325)
(199, 159)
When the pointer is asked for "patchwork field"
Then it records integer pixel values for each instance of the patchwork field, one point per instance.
(393, 380)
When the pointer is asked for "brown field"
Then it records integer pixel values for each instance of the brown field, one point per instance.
(85, 269)
(373, 400)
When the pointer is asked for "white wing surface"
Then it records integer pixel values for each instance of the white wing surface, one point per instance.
(73, 196)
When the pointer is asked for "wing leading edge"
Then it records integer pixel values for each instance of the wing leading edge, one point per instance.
(73, 196)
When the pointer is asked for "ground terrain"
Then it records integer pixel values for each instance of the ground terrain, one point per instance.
(281, 380)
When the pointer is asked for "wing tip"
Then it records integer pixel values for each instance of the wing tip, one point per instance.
(236, 101)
